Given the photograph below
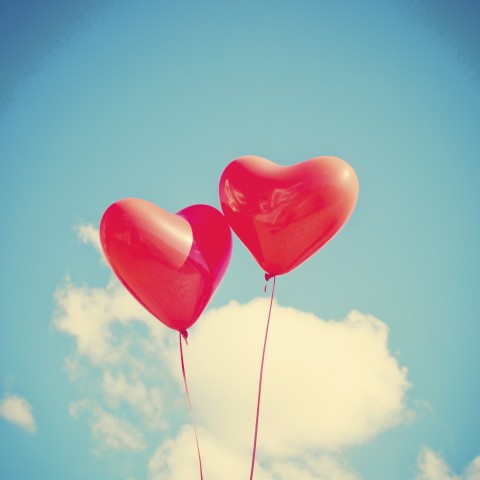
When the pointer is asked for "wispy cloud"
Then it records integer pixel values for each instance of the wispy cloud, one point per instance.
(147, 401)
(108, 430)
(116, 433)
(18, 411)
(89, 235)
(431, 466)
(90, 316)
(117, 346)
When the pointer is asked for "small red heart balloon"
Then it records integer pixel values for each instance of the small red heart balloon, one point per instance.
(283, 215)
(172, 264)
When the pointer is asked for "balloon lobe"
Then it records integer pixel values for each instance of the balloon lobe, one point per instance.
(172, 264)
(284, 214)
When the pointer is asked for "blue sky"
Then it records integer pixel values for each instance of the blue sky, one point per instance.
(105, 100)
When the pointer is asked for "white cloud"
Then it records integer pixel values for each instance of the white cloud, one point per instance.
(109, 431)
(74, 409)
(327, 384)
(90, 316)
(472, 472)
(146, 401)
(89, 235)
(320, 467)
(73, 367)
(176, 459)
(431, 466)
(123, 342)
(18, 411)
(337, 379)
(116, 433)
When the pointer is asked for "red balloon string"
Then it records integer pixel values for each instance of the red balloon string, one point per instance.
(185, 336)
(267, 278)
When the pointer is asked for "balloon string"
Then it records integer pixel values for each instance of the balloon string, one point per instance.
(267, 277)
(184, 335)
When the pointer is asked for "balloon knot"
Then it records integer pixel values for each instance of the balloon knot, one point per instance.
(184, 334)
(268, 276)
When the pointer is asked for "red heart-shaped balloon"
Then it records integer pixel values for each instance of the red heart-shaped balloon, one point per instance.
(283, 215)
(172, 264)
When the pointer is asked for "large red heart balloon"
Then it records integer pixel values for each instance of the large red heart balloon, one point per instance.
(172, 264)
(284, 214)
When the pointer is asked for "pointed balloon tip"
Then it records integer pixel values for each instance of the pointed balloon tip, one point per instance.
(268, 276)
(184, 334)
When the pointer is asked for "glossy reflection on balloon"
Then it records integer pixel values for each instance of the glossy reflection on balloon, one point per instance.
(284, 214)
(172, 264)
